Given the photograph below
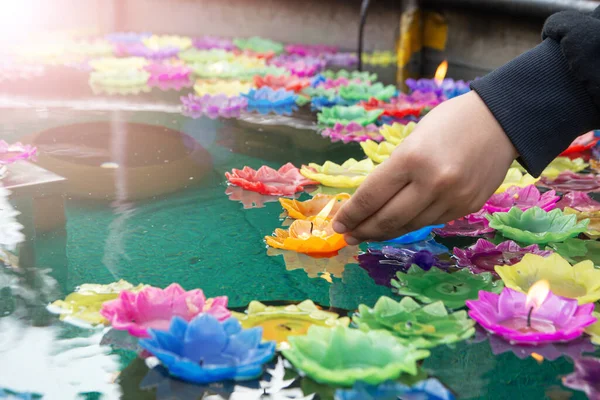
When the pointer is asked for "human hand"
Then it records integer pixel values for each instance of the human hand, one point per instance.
(454, 160)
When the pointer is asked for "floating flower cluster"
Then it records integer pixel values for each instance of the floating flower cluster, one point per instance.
(213, 106)
(532, 284)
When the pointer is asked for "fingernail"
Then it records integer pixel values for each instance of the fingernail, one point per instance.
(352, 241)
(339, 227)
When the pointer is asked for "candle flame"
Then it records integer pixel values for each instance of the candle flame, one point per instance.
(440, 72)
(324, 213)
(537, 357)
(537, 294)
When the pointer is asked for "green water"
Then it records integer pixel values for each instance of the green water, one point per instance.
(198, 238)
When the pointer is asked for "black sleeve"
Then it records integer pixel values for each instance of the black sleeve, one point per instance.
(548, 96)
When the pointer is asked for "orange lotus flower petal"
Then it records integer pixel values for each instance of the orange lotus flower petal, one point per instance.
(308, 237)
(310, 208)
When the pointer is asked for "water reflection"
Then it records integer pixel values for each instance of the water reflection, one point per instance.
(248, 198)
(45, 360)
(279, 382)
(551, 351)
(317, 267)
(10, 230)
(121, 160)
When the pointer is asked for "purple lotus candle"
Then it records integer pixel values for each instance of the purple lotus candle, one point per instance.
(169, 76)
(483, 256)
(352, 132)
(213, 42)
(310, 49)
(447, 88)
(537, 317)
(579, 201)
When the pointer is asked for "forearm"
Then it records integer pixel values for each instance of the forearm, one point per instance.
(549, 95)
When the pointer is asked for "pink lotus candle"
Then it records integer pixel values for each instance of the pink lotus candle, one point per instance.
(533, 318)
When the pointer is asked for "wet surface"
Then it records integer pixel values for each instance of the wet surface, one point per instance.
(178, 222)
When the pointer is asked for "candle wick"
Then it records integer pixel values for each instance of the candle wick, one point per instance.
(284, 326)
(529, 317)
(312, 226)
(201, 361)
(454, 288)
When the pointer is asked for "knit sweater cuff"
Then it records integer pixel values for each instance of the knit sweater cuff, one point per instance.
(539, 103)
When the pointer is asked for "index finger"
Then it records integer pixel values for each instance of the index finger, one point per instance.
(379, 187)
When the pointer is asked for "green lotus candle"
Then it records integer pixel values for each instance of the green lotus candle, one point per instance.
(364, 76)
(452, 289)
(536, 225)
(258, 44)
(414, 324)
(357, 92)
(346, 114)
(343, 356)
(577, 250)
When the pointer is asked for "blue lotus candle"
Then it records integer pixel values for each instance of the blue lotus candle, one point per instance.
(206, 350)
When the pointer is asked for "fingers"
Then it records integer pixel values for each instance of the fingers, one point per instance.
(381, 185)
(449, 215)
(390, 221)
(429, 216)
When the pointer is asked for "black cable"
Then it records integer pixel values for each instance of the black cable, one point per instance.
(364, 7)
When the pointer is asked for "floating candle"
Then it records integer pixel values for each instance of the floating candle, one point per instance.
(286, 82)
(278, 323)
(453, 289)
(570, 181)
(581, 281)
(347, 114)
(365, 92)
(396, 107)
(415, 236)
(396, 133)
(440, 85)
(352, 132)
(464, 227)
(213, 106)
(484, 256)
(312, 237)
(372, 357)
(311, 208)
(154, 308)
(514, 177)
(536, 225)
(378, 152)
(213, 42)
(258, 44)
(593, 226)
(535, 318)
(206, 350)
(413, 324)
(579, 201)
(582, 143)
(266, 100)
(219, 86)
(286, 181)
(521, 197)
(132, 81)
(364, 76)
(383, 265)
(577, 250)
(82, 307)
(348, 175)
